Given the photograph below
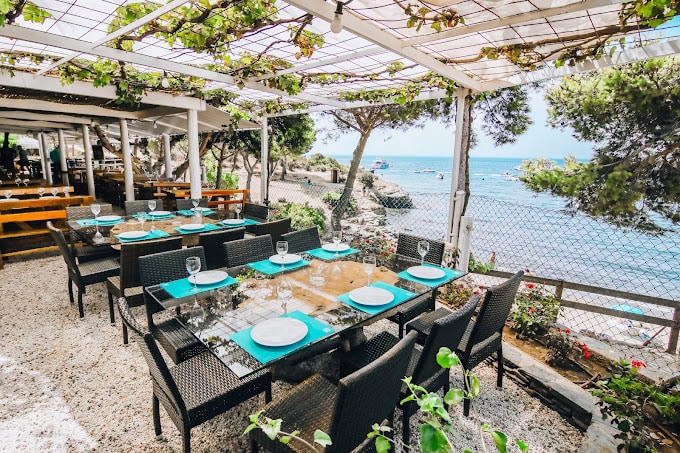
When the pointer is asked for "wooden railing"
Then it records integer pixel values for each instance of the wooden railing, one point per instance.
(218, 196)
(19, 191)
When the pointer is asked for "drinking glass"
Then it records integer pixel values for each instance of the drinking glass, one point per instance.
(282, 249)
(96, 209)
(316, 277)
(337, 237)
(152, 207)
(41, 191)
(199, 216)
(55, 191)
(237, 208)
(195, 202)
(66, 191)
(193, 264)
(8, 194)
(284, 289)
(141, 218)
(423, 248)
(369, 266)
(26, 181)
(18, 182)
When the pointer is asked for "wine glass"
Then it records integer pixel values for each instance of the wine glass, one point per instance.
(26, 181)
(96, 209)
(141, 218)
(237, 208)
(337, 237)
(18, 182)
(8, 194)
(193, 264)
(423, 248)
(282, 249)
(41, 191)
(195, 202)
(284, 289)
(152, 207)
(369, 266)
(55, 191)
(66, 191)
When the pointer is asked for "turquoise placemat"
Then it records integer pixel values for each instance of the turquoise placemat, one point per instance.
(400, 295)
(449, 274)
(206, 227)
(153, 234)
(246, 222)
(182, 287)
(329, 256)
(269, 268)
(265, 354)
(92, 222)
(190, 213)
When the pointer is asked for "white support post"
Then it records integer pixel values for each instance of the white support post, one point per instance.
(194, 160)
(452, 228)
(127, 161)
(47, 169)
(41, 152)
(87, 146)
(167, 156)
(464, 240)
(62, 157)
(458, 200)
(264, 161)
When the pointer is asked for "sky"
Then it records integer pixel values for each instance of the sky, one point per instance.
(435, 139)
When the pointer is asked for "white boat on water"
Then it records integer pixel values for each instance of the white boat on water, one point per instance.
(379, 164)
(440, 175)
(428, 170)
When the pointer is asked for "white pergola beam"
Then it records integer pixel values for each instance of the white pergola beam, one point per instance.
(304, 96)
(120, 32)
(374, 34)
(49, 106)
(462, 30)
(31, 116)
(35, 125)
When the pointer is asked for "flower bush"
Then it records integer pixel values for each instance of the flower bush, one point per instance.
(302, 216)
(562, 346)
(382, 247)
(458, 293)
(534, 311)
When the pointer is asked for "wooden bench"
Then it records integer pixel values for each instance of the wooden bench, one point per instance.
(22, 223)
(19, 191)
(224, 197)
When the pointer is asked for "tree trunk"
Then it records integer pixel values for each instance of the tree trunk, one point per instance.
(250, 169)
(109, 147)
(343, 202)
(464, 171)
(218, 177)
(206, 144)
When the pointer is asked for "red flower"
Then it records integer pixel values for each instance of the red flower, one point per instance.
(584, 348)
(367, 241)
(638, 364)
(586, 354)
(530, 285)
(532, 309)
(392, 249)
(476, 292)
(384, 236)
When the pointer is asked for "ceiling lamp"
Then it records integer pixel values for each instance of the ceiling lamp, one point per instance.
(336, 24)
(165, 83)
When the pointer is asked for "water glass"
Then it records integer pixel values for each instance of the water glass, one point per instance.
(282, 249)
(96, 209)
(237, 208)
(141, 218)
(193, 264)
(26, 181)
(337, 238)
(423, 248)
(369, 266)
(66, 192)
(18, 182)
(284, 290)
(41, 191)
(55, 191)
(316, 277)
(195, 202)
(8, 194)
(199, 216)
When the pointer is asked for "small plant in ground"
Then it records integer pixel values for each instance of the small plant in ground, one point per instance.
(481, 266)
(331, 199)
(302, 216)
(562, 346)
(534, 311)
(458, 293)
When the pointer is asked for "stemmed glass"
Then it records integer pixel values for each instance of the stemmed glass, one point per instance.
(282, 249)
(96, 209)
(337, 237)
(66, 191)
(284, 289)
(55, 191)
(193, 264)
(18, 182)
(195, 202)
(423, 248)
(152, 208)
(26, 181)
(41, 191)
(141, 218)
(237, 208)
(8, 194)
(369, 266)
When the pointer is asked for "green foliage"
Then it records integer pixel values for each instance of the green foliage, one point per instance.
(319, 162)
(562, 346)
(302, 216)
(229, 181)
(480, 266)
(382, 247)
(367, 180)
(506, 113)
(534, 311)
(332, 199)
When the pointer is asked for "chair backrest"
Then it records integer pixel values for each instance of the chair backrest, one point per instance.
(275, 229)
(130, 253)
(495, 309)
(185, 203)
(303, 240)
(212, 244)
(167, 266)
(446, 331)
(66, 252)
(369, 396)
(158, 369)
(135, 206)
(256, 211)
(84, 212)
(407, 247)
(243, 251)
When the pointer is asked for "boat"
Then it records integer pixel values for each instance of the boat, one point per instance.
(379, 164)
(428, 170)
(440, 175)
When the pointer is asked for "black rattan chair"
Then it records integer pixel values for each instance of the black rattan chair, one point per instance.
(212, 244)
(128, 283)
(407, 255)
(178, 341)
(87, 252)
(446, 331)
(196, 390)
(303, 240)
(347, 411)
(82, 274)
(257, 212)
(185, 203)
(484, 335)
(244, 251)
(135, 206)
(275, 229)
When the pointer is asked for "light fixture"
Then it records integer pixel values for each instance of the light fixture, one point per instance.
(165, 83)
(155, 126)
(336, 24)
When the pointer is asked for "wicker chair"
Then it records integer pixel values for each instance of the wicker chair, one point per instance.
(185, 203)
(446, 331)
(82, 274)
(407, 255)
(135, 206)
(178, 341)
(87, 252)
(347, 411)
(196, 390)
(484, 335)
(303, 240)
(128, 284)
(212, 244)
(257, 212)
(244, 251)
(275, 229)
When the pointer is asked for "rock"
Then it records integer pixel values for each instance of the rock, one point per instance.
(391, 195)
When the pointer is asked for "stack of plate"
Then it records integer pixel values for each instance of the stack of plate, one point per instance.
(279, 332)
(108, 219)
(233, 221)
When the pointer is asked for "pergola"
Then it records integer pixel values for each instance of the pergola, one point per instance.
(376, 45)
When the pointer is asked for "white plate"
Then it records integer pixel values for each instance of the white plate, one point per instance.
(10, 199)
(108, 218)
(370, 295)
(159, 213)
(133, 234)
(426, 272)
(335, 248)
(279, 332)
(192, 226)
(286, 259)
(200, 208)
(209, 277)
(233, 221)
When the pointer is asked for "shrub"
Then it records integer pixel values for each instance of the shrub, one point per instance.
(561, 346)
(534, 311)
(331, 199)
(302, 216)
(382, 247)
(367, 180)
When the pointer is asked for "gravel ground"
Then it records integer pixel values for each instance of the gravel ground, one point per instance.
(68, 384)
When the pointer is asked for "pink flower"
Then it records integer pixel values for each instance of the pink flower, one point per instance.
(638, 364)
(530, 285)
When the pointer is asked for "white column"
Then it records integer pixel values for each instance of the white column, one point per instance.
(62, 157)
(264, 161)
(87, 146)
(41, 152)
(194, 160)
(167, 155)
(464, 241)
(452, 227)
(127, 161)
(47, 171)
